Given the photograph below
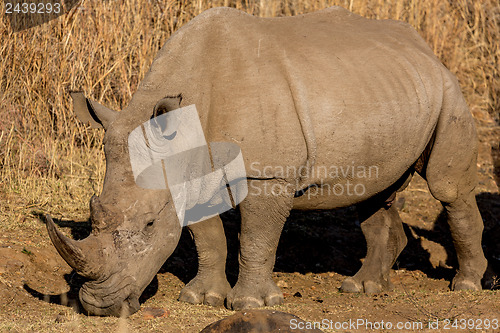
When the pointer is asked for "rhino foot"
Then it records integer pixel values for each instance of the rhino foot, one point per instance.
(462, 283)
(254, 295)
(205, 291)
(351, 285)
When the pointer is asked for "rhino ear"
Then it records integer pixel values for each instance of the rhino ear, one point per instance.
(167, 104)
(92, 112)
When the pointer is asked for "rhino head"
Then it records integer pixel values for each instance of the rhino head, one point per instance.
(134, 230)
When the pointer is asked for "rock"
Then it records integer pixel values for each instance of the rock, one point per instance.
(282, 284)
(151, 313)
(258, 321)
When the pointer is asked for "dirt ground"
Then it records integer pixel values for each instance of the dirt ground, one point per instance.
(38, 290)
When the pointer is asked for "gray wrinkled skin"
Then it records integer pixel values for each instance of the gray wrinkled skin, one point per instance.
(318, 90)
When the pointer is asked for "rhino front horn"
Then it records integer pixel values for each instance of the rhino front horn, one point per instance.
(80, 255)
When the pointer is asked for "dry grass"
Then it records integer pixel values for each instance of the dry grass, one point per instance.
(49, 162)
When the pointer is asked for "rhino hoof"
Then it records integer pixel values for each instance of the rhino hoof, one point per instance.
(466, 285)
(210, 298)
(252, 302)
(275, 299)
(190, 296)
(214, 299)
(240, 298)
(200, 291)
(372, 287)
(246, 303)
(351, 286)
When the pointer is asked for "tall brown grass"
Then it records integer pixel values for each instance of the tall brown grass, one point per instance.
(50, 162)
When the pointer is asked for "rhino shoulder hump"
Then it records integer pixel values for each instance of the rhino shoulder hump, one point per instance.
(216, 14)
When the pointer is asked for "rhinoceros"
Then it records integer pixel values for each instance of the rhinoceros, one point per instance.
(329, 109)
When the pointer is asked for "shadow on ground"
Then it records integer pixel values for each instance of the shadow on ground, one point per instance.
(332, 241)
(69, 298)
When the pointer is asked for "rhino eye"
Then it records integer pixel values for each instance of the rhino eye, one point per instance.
(150, 223)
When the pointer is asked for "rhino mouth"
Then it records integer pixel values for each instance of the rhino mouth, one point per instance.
(115, 296)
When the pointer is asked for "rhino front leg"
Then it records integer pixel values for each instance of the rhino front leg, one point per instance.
(210, 285)
(385, 239)
(263, 214)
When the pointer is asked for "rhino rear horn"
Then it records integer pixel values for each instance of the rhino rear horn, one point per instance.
(92, 112)
(81, 255)
(103, 215)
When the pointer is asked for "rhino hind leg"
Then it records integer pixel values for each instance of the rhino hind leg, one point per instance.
(210, 286)
(451, 174)
(385, 239)
(263, 214)
(466, 228)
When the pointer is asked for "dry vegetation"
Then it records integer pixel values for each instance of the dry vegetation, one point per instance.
(51, 163)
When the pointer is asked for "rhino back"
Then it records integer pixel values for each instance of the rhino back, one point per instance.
(372, 90)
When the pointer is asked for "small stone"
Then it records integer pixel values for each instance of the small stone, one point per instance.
(151, 313)
(282, 284)
(297, 294)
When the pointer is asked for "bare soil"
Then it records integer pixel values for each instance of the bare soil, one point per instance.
(318, 249)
